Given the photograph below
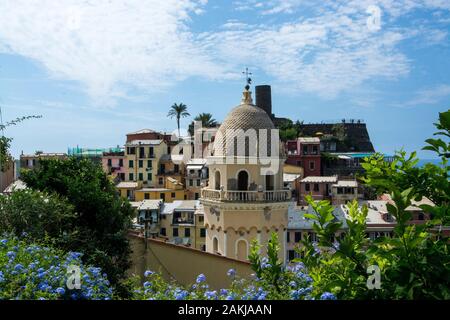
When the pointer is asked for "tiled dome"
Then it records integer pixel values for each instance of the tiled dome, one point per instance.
(245, 116)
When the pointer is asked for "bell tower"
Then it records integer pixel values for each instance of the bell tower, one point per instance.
(245, 198)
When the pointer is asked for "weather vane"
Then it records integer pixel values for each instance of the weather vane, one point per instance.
(247, 78)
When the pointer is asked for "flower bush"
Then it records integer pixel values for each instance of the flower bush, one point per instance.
(271, 281)
(36, 272)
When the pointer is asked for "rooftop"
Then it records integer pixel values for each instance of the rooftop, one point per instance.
(346, 183)
(297, 220)
(16, 185)
(127, 185)
(320, 179)
(144, 142)
(149, 205)
(290, 177)
(143, 131)
(309, 140)
(182, 205)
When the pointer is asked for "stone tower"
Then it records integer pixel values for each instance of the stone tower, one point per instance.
(245, 198)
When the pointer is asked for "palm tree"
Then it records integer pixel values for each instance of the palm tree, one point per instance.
(178, 111)
(206, 119)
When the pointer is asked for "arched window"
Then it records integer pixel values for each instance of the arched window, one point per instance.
(217, 180)
(243, 180)
(215, 245)
(241, 250)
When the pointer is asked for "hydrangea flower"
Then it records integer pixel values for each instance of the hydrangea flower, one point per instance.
(49, 280)
(211, 295)
(201, 278)
(148, 273)
(231, 273)
(60, 291)
(327, 296)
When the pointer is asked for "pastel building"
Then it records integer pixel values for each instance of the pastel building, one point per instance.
(182, 222)
(113, 164)
(196, 177)
(305, 152)
(245, 198)
(142, 160)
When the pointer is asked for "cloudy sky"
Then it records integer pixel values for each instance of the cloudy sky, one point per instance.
(97, 69)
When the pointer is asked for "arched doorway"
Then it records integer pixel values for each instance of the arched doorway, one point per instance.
(217, 180)
(270, 181)
(215, 245)
(243, 181)
(241, 250)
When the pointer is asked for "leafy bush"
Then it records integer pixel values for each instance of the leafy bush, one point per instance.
(102, 219)
(415, 262)
(36, 272)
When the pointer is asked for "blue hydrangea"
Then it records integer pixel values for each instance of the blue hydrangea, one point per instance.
(4, 241)
(147, 284)
(148, 273)
(327, 296)
(2, 277)
(201, 278)
(211, 295)
(11, 254)
(19, 267)
(231, 273)
(60, 291)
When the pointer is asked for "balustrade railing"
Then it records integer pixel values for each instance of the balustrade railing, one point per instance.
(247, 196)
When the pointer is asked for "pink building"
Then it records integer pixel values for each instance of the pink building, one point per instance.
(305, 152)
(113, 164)
(317, 186)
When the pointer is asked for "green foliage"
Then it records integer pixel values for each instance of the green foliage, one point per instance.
(279, 282)
(5, 157)
(178, 111)
(339, 132)
(39, 214)
(102, 216)
(415, 262)
(290, 130)
(5, 142)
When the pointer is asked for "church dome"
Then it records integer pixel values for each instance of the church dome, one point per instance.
(244, 117)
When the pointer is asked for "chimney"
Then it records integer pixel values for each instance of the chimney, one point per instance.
(264, 98)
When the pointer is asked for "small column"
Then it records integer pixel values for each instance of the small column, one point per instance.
(258, 237)
(225, 243)
(285, 246)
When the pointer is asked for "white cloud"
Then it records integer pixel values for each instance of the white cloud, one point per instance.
(114, 46)
(428, 96)
(107, 45)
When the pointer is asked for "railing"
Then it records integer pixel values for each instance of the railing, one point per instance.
(246, 196)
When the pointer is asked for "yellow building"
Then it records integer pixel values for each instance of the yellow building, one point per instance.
(182, 222)
(167, 195)
(127, 189)
(245, 198)
(142, 159)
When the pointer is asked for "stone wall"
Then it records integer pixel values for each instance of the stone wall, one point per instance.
(182, 263)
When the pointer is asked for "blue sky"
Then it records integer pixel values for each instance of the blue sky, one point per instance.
(96, 70)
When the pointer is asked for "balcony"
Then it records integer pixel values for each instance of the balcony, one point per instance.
(246, 196)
